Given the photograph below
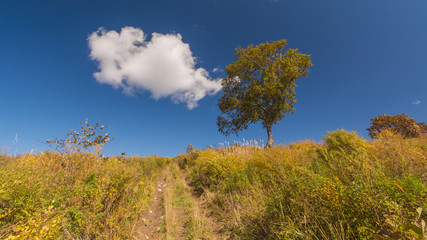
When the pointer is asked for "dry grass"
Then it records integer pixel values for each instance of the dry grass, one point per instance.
(344, 188)
(184, 216)
(53, 196)
(170, 215)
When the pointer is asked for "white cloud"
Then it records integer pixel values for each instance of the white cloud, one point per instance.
(217, 69)
(164, 65)
(416, 102)
(16, 139)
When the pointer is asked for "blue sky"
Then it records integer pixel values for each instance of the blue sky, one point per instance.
(369, 58)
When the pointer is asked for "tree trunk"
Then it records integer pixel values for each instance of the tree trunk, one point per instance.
(270, 137)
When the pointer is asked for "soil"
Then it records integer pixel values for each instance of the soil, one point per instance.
(152, 219)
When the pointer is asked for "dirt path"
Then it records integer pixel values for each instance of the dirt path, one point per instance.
(152, 219)
(186, 217)
(175, 213)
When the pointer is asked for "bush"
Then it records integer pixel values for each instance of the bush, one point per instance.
(400, 124)
(343, 154)
(88, 139)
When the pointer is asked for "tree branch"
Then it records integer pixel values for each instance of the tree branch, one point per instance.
(262, 107)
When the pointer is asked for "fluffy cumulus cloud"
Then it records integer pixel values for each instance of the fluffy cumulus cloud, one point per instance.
(163, 65)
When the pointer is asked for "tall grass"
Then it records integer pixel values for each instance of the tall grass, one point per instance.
(78, 196)
(344, 188)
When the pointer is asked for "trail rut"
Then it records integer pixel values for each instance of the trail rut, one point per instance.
(152, 219)
(175, 213)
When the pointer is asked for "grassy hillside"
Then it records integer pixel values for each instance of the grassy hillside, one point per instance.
(79, 196)
(344, 188)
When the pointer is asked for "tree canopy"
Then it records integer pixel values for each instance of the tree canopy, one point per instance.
(400, 124)
(260, 86)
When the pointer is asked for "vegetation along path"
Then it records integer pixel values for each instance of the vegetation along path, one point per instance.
(175, 212)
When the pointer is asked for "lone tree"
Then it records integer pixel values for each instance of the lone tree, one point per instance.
(400, 124)
(260, 86)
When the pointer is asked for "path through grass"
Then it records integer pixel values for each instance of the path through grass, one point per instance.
(184, 216)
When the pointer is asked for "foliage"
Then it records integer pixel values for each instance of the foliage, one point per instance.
(260, 86)
(41, 197)
(401, 225)
(400, 124)
(349, 148)
(423, 127)
(88, 138)
(189, 148)
(344, 188)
